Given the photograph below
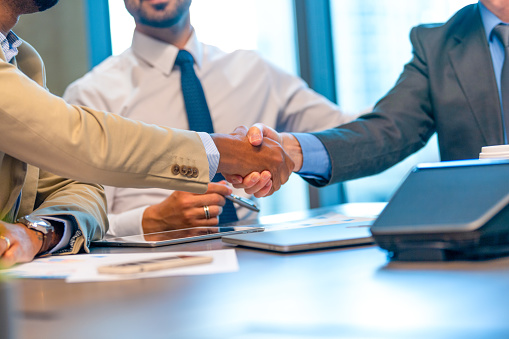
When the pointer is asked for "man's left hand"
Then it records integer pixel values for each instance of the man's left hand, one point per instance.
(18, 244)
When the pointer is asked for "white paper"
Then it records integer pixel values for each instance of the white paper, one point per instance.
(83, 267)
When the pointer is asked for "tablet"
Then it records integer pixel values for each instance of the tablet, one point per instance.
(175, 236)
(307, 238)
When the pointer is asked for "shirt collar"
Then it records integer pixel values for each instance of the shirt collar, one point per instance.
(489, 21)
(9, 45)
(162, 55)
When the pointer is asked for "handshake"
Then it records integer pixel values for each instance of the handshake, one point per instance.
(258, 160)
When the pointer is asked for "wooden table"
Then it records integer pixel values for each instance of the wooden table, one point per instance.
(335, 293)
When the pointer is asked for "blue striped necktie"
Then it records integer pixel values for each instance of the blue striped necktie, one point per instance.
(198, 115)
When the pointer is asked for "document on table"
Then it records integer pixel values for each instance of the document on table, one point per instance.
(83, 267)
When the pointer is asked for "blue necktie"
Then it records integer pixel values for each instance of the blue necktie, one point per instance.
(502, 33)
(198, 115)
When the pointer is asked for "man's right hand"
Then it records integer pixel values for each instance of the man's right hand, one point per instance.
(183, 210)
(240, 158)
(256, 182)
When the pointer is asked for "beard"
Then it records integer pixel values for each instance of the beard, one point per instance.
(45, 4)
(162, 15)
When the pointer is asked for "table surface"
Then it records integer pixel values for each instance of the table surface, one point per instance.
(336, 293)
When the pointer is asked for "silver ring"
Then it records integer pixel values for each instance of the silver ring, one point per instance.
(7, 241)
(207, 212)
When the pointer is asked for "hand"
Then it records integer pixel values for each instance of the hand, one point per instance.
(259, 184)
(184, 210)
(25, 244)
(258, 132)
(253, 182)
(239, 157)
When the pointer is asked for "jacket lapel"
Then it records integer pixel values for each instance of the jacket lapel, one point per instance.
(471, 61)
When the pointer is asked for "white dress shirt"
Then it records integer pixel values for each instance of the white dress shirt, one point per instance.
(241, 89)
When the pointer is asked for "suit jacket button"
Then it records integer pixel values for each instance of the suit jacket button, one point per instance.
(195, 172)
(183, 170)
(175, 169)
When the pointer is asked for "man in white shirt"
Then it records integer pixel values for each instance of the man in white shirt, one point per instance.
(144, 83)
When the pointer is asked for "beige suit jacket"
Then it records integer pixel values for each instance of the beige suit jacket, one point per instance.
(43, 193)
(88, 145)
(40, 129)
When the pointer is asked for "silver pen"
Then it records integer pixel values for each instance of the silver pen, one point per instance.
(243, 202)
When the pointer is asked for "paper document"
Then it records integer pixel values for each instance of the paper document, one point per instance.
(83, 267)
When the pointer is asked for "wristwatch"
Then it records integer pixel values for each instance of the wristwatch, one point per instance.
(42, 226)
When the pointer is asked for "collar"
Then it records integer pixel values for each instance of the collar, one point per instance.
(162, 55)
(489, 21)
(9, 45)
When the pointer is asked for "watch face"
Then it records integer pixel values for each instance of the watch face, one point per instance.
(36, 223)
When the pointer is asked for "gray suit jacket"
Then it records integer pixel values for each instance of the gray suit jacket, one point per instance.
(448, 87)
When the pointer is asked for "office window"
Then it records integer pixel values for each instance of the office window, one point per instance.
(231, 25)
(371, 45)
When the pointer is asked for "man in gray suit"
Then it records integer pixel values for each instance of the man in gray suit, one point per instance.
(453, 86)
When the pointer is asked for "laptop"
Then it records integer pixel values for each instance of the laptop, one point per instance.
(175, 236)
(306, 238)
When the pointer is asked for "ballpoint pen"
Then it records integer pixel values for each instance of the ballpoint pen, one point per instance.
(243, 202)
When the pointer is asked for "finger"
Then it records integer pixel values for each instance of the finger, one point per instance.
(264, 192)
(4, 245)
(221, 188)
(214, 212)
(258, 131)
(8, 258)
(249, 181)
(242, 130)
(255, 134)
(276, 182)
(234, 179)
(212, 199)
(264, 179)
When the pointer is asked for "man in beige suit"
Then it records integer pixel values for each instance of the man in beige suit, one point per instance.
(42, 130)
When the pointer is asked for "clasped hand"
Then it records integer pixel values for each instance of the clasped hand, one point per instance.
(259, 166)
(262, 183)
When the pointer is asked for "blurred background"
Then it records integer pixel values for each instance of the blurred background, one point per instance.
(350, 51)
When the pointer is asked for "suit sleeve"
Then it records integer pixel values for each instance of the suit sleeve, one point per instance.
(83, 204)
(400, 124)
(93, 146)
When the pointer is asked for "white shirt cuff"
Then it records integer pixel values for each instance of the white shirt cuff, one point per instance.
(66, 237)
(126, 223)
(213, 155)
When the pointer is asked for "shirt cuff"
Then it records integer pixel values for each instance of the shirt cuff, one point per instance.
(213, 155)
(315, 158)
(126, 223)
(66, 237)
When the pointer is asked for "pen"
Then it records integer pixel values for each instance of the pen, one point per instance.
(243, 202)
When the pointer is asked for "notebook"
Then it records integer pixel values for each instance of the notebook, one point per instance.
(307, 238)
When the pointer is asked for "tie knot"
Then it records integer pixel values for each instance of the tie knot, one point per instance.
(501, 31)
(183, 58)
